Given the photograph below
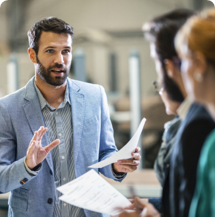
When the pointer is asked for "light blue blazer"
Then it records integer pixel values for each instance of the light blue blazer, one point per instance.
(20, 116)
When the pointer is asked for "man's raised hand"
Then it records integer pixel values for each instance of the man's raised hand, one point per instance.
(36, 153)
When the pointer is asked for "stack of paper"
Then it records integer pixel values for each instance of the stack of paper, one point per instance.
(90, 191)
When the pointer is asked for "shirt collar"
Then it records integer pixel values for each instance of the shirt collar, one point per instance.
(44, 103)
(183, 108)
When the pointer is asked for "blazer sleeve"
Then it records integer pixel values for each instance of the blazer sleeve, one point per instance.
(107, 144)
(12, 172)
(192, 141)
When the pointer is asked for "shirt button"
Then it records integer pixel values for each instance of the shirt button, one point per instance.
(59, 134)
(64, 179)
(50, 201)
(64, 204)
(63, 157)
(56, 113)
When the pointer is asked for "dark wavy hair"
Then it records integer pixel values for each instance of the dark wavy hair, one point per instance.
(50, 24)
(161, 31)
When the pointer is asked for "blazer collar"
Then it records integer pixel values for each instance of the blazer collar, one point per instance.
(77, 99)
(34, 115)
(30, 92)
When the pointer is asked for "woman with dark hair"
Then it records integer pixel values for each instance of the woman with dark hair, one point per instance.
(160, 33)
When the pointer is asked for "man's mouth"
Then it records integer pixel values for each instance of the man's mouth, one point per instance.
(58, 70)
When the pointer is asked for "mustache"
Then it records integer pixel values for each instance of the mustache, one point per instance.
(57, 65)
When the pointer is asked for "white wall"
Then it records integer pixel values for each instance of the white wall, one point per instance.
(107, 15)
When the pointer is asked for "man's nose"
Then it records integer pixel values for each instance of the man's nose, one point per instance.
(59, 59)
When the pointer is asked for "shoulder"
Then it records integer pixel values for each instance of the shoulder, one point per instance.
(12, 100)
(26, 92)
(194, 129)
(196, 112)
(85, 88)
(197, 118)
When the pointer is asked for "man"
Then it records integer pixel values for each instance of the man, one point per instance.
(180, 171)
(77, 119)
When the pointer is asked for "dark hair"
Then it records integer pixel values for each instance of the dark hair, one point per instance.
(161, 31)
(50, 24)
(181, 14)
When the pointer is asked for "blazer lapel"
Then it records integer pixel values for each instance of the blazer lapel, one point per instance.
(78, 107)
(34, 115)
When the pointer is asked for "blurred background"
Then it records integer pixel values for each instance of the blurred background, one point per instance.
(108, 49)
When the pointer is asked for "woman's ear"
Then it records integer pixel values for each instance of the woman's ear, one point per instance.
(200, 63)
(32, 55)
(170, 68)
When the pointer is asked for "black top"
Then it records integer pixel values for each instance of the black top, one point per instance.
(180, 183)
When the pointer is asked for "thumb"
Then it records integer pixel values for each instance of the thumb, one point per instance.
(52, 145)
(131, 206)
(138, 203)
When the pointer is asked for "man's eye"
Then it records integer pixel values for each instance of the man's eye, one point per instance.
(50, 51)
(66, 51)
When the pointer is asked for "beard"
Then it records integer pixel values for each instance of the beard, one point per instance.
(47, 75)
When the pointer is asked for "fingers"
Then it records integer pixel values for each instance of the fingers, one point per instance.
(129, 214)
(124, 214)
(130, 168)
(136, 156)
(135, 161)
(125, 168)
(137, 149)
(131, 206)
(132, 162)
(41, 132)
(52, 145)
(31, 148)
(32, 142)
(34, 137)
(36, 153)
(30, 155)
(139, 203)
(131, 200)
(145, 200)
(38, 136)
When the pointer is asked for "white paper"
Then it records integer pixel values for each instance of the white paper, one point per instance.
(90, 191)
(125, 152)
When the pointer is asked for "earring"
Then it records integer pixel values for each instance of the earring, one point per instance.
(198, 77)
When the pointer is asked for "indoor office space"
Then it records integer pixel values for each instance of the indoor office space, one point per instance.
(108, 49)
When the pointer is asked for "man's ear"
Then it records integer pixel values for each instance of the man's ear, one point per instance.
(32, 55)
(170, 68)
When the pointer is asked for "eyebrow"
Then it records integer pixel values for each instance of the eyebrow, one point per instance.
(56, 47)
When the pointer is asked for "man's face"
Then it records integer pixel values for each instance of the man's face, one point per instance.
(54, 57)
(157, 62)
